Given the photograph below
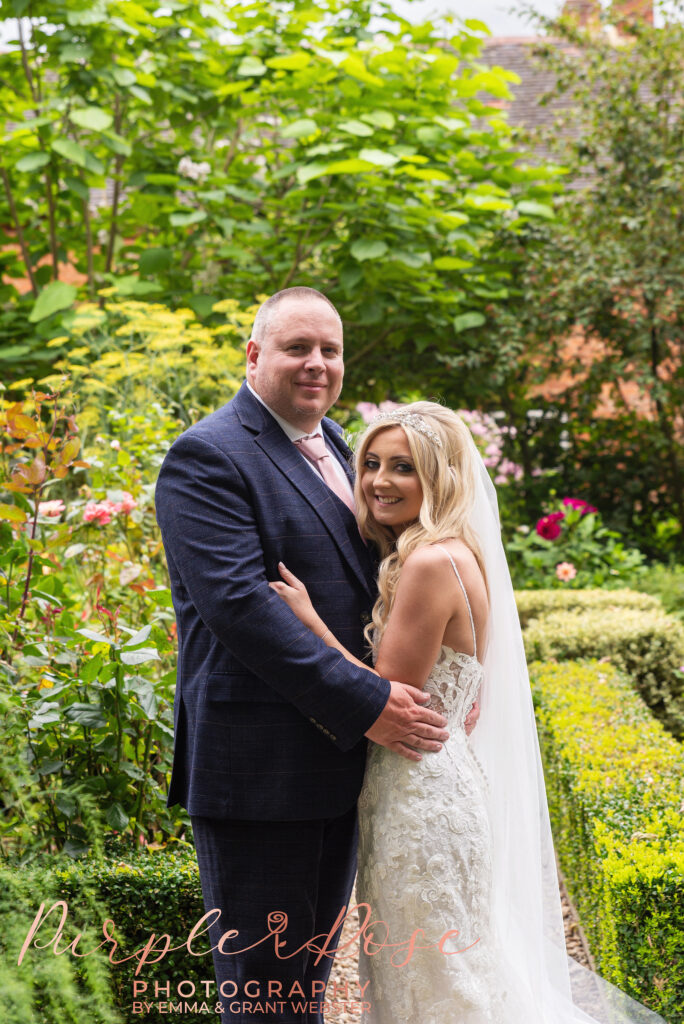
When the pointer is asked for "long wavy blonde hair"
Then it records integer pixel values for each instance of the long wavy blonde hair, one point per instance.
(447, 479)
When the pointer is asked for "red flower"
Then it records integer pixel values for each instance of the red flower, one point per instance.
(579, 503)
(548, 527)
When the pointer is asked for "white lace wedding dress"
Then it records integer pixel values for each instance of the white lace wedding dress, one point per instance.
(425, 863)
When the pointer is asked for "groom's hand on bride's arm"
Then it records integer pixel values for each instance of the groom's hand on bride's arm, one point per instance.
(405, 723)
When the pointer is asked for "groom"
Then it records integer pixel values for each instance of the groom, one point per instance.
(269, 721)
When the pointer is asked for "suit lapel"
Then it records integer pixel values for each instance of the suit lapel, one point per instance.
(332, 512)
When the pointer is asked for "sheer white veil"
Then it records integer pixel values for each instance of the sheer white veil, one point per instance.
(526, 902)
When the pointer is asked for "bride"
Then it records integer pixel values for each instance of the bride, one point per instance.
(457, 841)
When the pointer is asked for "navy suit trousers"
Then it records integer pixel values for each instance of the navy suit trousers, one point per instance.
(255, 872)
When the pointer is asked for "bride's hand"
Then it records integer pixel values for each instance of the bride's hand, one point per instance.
(295, 594)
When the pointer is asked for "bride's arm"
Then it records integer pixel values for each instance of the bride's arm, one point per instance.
(295, 594)
(423, 605)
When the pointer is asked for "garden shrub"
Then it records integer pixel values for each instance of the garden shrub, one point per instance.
(535, 603)
(152, 892)
(45, 988)
(647, 644)
(614, 781)
(667, 583)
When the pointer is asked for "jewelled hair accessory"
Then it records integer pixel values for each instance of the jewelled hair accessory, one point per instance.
(411, 419)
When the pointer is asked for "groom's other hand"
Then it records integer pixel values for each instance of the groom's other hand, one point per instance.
(471, 718)
(405, 724)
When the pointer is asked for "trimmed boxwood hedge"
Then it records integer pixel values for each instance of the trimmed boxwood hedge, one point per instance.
(615, 783)
(153, 892)
(535, 603)
(634, 634)
(45, 988)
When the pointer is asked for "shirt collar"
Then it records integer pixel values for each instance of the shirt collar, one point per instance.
(294, 433)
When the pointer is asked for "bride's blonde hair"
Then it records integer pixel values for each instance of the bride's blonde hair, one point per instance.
(447, 477)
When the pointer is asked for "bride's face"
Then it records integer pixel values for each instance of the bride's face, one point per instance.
(389, 480)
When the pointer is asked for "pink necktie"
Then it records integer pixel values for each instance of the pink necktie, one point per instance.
(315, 451)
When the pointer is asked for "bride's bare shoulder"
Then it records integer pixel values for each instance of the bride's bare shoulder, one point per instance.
(464, 559)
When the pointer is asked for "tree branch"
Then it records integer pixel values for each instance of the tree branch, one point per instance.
(17, 227)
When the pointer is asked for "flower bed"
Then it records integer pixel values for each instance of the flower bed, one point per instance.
(614, 780)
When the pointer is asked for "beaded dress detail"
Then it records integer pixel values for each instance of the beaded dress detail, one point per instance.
(425, 863)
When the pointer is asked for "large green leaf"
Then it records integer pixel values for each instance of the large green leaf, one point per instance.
(182, 220)
(95, 118)
(451, 263)
(379, 157)
(354, 127)
(535, 209)
(368, 249)
(380, 118)
(117, 817)
(55, 296)
(90, 715)
(72, 151)
(289, 62)
(33, 161)
(297, 129)
(250, 66)
(467, 320)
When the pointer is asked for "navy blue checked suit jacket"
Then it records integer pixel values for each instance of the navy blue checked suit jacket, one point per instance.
(269, 722)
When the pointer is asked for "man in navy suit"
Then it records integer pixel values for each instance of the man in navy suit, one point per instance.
(270, 723)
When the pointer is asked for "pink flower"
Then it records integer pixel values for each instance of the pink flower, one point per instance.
(100, 512)
(51, 508)
(566, 571)
(548, 526)
(127, 504)
(579, 503)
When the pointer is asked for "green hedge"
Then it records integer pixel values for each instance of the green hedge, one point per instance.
(534, 603)
(645, 643)
(45, 988)
(155, 892)
(614, 780)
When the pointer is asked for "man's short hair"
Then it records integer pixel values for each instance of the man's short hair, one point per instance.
(267, 310)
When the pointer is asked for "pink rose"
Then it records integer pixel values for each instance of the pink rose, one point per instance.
(51, 508)
(128, 503)
(566, 571)
(100, 512)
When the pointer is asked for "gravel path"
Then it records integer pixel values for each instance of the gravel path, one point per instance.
(343, 992)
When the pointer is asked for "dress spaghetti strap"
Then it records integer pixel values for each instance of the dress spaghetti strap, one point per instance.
(470, 613)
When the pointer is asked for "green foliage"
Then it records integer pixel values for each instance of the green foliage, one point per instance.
(259, 145)
(152, 893)
(533, 604)
(86, 631)
(45, 988)
(647, 645)
(667, 583)
(570, 547)
(611, 273)
(614, 783)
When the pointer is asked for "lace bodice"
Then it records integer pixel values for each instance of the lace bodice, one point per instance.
(454, 682)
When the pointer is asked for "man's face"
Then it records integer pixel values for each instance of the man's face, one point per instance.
(297, 369)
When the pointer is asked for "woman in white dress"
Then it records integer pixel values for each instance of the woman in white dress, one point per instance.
(456, 841)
